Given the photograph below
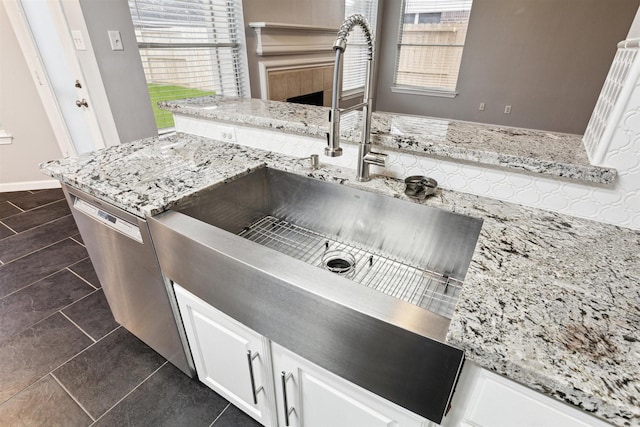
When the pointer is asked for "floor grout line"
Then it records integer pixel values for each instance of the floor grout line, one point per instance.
(84, 349)
(80, 277)
(61, 364)
(17, 207)
(36, 281)
(41, 206)
(44, 247)
(1, 222)
(80, 243)
(132, 390)
(47, 317)
(75, 324)
(32, 210)
(46, 223)
(73, 397)
(37, 380)
(220, 414)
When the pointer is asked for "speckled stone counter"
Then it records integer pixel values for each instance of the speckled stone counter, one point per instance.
(149, 176)
(555, 154)
(550, 301)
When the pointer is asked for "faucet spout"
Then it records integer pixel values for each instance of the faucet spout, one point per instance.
(345, 29)
(365, 156)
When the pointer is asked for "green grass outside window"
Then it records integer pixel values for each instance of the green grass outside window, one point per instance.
(158, 93)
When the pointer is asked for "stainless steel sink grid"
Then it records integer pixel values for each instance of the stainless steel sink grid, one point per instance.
(427, 289)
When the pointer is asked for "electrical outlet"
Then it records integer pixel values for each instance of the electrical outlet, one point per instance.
(481, 107)
(116, 40)
(507, 109)
(227, 133)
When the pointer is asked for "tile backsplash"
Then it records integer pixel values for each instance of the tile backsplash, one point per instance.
(616, 90)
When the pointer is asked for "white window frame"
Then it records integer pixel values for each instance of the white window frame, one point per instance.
(411, 89)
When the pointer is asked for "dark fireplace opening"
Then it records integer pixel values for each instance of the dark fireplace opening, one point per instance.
(316, 98)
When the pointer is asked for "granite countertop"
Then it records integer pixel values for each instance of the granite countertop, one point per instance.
(555, 154)
(550, 301)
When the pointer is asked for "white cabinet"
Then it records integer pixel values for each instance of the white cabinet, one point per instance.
(316, 397)
(484, 399)
(230, 358)
(234, 361)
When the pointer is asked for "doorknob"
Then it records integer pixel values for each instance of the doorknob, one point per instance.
(82, 103)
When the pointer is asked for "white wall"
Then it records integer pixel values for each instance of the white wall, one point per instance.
(23, 116)
(546, 58)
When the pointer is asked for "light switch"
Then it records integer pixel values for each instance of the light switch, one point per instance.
(78, 41)
(116, 40)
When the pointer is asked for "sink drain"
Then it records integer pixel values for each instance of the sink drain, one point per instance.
(339, 262)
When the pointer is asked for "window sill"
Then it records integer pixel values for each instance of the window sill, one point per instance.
(412, 90)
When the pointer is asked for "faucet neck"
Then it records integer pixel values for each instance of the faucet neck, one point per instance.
(365, 156)
(345, 29)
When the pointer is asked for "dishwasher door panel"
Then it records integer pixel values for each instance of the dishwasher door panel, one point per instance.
(120, 248)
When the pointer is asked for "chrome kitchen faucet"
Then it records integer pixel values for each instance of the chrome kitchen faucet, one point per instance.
(366, 157)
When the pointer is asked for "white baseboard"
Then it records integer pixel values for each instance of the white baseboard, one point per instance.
(29, 185)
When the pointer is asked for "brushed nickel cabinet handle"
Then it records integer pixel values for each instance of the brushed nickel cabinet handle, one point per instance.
(284, 377)
(254, 392)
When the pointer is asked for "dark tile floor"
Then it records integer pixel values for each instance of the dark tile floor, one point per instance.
(64, 361)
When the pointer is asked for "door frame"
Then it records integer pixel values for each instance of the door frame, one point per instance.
(27, 43)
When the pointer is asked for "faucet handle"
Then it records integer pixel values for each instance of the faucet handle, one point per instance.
(377, 159)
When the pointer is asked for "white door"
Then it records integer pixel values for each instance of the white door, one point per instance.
(317, 398)
(230, 358)
(41, 29)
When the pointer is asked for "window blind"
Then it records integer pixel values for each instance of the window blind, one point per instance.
(355, 56)
(189, 48)
(431, 42)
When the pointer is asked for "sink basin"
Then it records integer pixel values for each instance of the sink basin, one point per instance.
(416, 253)
(360, 284)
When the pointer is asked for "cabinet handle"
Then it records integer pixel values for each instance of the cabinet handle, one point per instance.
(284, 377)
(254, 392)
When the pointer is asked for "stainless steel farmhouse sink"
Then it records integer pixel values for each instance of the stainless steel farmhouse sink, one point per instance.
(360, 284)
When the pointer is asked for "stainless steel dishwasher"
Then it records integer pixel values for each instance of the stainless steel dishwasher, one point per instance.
(122, 253)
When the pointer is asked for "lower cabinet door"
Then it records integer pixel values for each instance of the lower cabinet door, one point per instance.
(485, 399)
(230, 358)
(314, 397)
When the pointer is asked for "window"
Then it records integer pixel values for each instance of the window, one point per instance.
(409, 18)
(429, 18)
(355, 56)
(190, 48)
(432, 36)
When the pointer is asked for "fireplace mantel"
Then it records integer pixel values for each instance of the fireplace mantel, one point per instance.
(290, 39)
